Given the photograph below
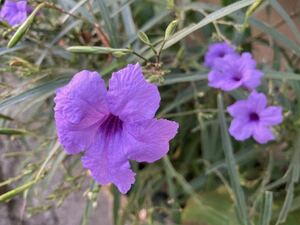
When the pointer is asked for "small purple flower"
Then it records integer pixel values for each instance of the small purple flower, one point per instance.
(252, 117)
(235, 71)
(217, 51)
(14, 12)
(112, 126)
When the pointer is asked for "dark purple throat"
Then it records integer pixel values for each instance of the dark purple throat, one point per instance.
(221, 54)
(237, 76)
(112, 125)
(254, 117)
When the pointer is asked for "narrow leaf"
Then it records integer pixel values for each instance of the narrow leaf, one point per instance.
(241, 206)
(9, 131)
(171, 29)
(97, 50)
(143, 37)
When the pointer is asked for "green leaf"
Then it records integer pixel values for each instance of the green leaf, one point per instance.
(143, 37)
(208, 19)
(110, 28)
(286, 17)
(97, 50)
(277, 36)
(171, 29)
(281, 75)
(10, 132)
(218, 200)
(179, 78)
(251, 10)
(36, 91)
(266, 211)
(10, 194)
(239, 195)
(5, 117)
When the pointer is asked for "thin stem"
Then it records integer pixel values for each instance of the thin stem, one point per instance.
(138, 55)
(160, 50)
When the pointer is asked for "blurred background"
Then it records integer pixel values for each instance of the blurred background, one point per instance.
(41, 185)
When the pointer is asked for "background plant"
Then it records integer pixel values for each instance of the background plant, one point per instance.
(207, 177)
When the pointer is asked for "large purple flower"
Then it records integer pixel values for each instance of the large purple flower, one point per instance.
(235, 71)
(252, 117)
(14, 12)
(112, 127)
(217, 51)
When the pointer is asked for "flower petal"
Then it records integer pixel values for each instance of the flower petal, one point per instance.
(257, 101)
(217, 51)
(239, 109)
(222, 80)
(247, 61)
(240, 129)
(271, 115)
(215, 79)
(14, 13)
(107, 161)
(130, 96)
(253, 79)
(263, 134)
(148, 141)
(80, 107)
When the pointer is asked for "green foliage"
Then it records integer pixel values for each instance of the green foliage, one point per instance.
(207, 177)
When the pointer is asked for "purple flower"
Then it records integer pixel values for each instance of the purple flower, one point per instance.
(235, 71)
(112, 126)
(252, 117)
(217, 51)
(14, 12)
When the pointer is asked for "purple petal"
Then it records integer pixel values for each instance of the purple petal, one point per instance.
(80, 107)
(21, 5)
(215, 79)
(222, 81)
(107, 161)
(271, 115)
(240, 129)
(263, 134)
(130, 96)
(14, 12)
(230, 84)
(247, 61)
(217, 51)
(257, 101)
(253, 79)
(239, 109)
(148, 140)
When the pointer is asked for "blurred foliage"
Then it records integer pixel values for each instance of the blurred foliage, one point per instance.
(207, 178)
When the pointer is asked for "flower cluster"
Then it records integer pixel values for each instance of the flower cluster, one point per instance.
(229, 71)
(14, 12)
(112, 126)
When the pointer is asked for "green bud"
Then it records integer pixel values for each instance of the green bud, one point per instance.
(170, 29)
(144, 38)
(119, 54)
(21, 31)
(170, 4)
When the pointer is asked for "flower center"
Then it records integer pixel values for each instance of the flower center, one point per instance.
(237, 76)
(112, 125)
(253, 117)
(221, 54)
